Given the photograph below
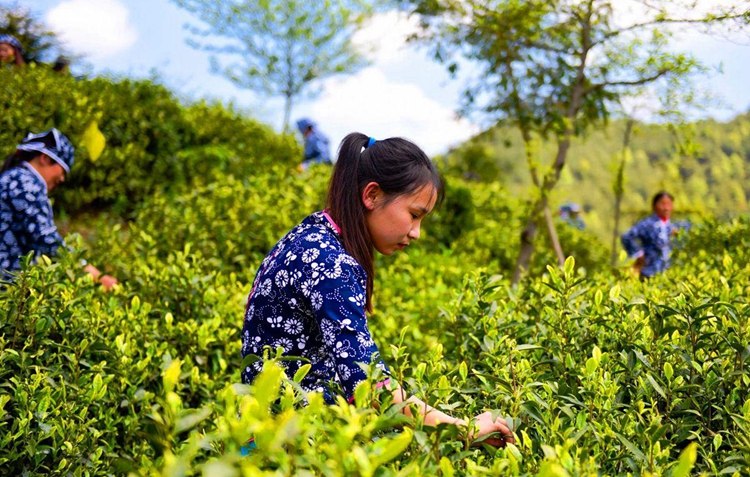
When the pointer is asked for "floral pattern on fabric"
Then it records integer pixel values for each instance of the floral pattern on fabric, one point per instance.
(26, 221)
(309, 298)
(651, 238)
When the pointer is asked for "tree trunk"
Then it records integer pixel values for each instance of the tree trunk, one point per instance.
(563, 145)
(527, 236)
(287, 112)
(553, 237)
(619, 188)
(549, 183)
(527, 245)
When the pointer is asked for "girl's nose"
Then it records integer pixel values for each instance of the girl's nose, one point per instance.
(414, 233)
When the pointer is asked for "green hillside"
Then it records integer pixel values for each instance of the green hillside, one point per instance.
(711, 182)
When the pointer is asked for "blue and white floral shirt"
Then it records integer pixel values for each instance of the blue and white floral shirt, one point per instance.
(26, 222)
(651, 238)
(309, 298)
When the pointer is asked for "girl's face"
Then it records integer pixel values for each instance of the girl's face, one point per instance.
(663, 207)
(394, 223)
(7, 53)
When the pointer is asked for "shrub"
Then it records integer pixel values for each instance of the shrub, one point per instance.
(153, 141)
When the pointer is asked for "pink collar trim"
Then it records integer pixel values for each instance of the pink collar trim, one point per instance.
(330, 220)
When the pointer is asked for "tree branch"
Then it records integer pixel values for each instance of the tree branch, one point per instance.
(662, 21)
(638, 82)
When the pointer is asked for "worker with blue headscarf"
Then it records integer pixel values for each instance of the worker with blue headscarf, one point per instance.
(316, 144)
(39, 164)
(11, 51)
(570, 213)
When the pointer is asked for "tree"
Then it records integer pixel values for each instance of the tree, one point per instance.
(618, 185)
(39, 44)
(283, 46)
(557, 68)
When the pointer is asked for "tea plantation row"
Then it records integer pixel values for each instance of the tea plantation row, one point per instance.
(600, 375)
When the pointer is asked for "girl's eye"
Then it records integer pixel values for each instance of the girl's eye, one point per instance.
(414, 216)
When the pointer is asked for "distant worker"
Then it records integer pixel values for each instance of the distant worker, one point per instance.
(316, 144)
(11, 52)
(38, 165)
(649, 241)
(570, 213)
(61, 65)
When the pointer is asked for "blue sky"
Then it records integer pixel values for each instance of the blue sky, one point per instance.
(402, 93)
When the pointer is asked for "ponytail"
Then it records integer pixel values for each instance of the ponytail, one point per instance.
(397, 165)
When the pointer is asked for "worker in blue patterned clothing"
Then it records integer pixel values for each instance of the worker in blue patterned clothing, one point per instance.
(39, 164)
(312, 293)
(649, 241)
(317, 150)
(11, 52)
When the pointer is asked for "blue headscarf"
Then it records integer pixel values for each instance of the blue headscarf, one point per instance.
(303, 124)
(61, 151)
(12, 41)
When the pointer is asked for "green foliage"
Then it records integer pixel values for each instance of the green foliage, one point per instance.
(246, 216)
(587, 249)
(454, 217)
(712, 182)
(558, 70)
(80, 373)
(596, 374)
(152, 141)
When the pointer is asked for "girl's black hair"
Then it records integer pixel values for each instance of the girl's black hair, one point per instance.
(397, 165)
(19, 157)
(659, 195)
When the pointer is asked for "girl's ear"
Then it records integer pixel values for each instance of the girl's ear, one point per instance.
(370, 195)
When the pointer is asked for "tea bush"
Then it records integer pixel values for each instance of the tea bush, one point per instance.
(598, 374)
(152, 140)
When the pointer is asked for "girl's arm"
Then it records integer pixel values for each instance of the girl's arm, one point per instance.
(338, 304)
(485, 424)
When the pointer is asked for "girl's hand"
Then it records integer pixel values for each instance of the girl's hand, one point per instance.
(486, 425)
(108, 282)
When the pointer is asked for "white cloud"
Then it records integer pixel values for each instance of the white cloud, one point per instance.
(98, 28)
(370, 103)
(383, 38)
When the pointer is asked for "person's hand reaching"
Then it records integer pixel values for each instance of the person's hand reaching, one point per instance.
(485, 424)
(108, 282)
